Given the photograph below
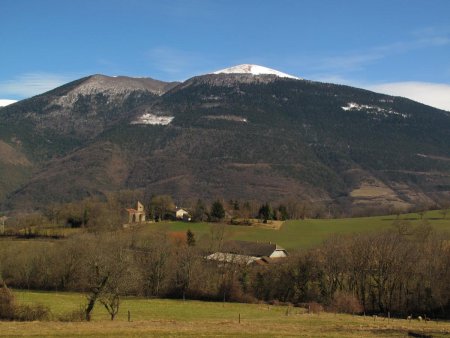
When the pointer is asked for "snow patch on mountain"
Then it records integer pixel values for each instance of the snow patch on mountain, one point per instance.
(254, 70)
(232, 118)
(375, 110)
(153, 119)
(6, 102)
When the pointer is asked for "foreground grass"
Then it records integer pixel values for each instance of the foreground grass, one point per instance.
(174, 318)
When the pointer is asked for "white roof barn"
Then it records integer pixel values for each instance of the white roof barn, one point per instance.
(244, 252)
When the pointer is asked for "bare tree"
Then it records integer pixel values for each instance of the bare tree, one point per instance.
(153, 258)
(105, 271)
(217, 237)
(334, 255)
(186, 258)
(162, 205)
(111, 301)
(68, 257)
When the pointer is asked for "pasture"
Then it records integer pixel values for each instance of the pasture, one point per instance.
(292, 234)
(176, 318)
(304, 234)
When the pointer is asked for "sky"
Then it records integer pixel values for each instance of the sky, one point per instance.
(398, 47)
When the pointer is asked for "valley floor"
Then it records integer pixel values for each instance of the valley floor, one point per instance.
(291, 235)
(173, 318)
(308, 233)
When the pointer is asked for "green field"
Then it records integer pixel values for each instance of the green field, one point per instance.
(293, 234)
(173, 318)
(301, 234)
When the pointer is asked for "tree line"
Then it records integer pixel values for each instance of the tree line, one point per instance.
(401, 271)
(108, 213)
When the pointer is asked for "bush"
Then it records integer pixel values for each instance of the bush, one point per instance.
(314, 307)
(345, 302)
(7, 303)
(32, 312)
(9, 310)
(240, 221)
(274, 302)
(74, 316)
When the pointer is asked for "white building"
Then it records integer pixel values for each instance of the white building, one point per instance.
(182, 214)
(243, 252)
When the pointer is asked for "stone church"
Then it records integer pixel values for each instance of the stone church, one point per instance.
(136, 215)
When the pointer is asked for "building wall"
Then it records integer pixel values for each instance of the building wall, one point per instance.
(136, 217)
(278, 253)
(180, 213)
(140, 207)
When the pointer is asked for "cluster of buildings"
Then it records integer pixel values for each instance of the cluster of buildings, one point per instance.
(138, 215)
(235, 252)
(247, 253)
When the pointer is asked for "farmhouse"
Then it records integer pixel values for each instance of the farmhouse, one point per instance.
(136, 215)
(182, 214)
(244, 252)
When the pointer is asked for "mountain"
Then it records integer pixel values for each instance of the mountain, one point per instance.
(50, 126)
(246, 132)
(254, 70)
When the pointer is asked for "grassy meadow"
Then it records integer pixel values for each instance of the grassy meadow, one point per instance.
(303, 234)
(292, 235)
(176, 318)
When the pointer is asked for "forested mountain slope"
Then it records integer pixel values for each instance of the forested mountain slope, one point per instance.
(245, 136)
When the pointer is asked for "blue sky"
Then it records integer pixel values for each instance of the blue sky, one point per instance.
(394, 46)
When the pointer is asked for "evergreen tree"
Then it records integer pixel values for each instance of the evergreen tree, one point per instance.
(283, 212)
(236, 205)
(200, 212)
(190, 238)
(217, 211)
(265, 212)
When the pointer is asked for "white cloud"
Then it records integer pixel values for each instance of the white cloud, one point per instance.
(30, 84)
(5, 102)
(350, 63)
(353, 61)
(432, 94)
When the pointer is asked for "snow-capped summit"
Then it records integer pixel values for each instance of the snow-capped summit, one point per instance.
(254, 70)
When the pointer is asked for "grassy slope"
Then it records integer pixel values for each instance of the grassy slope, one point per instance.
(194, 318)
(293, 235)
(308, 233)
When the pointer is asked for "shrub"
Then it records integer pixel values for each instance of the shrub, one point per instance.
(345, 302)
(78, 315)
(32, 312)
(7, 303)
(9, 310)
(314, 307)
